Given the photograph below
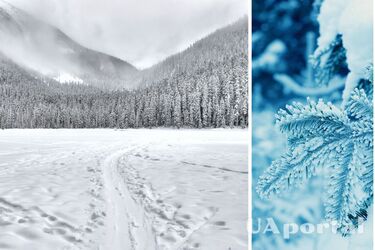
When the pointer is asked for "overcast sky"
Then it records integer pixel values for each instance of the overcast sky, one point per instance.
(141, 32)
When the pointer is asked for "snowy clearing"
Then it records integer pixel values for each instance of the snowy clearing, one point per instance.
(124, 189)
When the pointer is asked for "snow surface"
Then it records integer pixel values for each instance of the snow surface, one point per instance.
(124, 189)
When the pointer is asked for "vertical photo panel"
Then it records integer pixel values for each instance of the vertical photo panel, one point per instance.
(312, 124)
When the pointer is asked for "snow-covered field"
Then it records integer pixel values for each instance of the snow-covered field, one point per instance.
(125, 189)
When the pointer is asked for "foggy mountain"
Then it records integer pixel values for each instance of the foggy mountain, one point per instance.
(217, 49)
(204, 86)
(44, 49)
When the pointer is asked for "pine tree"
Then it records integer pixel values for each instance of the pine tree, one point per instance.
(177, 110)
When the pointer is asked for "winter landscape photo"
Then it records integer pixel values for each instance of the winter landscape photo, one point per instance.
(124, 125)
(312, 124)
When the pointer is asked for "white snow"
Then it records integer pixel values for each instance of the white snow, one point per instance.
(353, 19)
(67, 78)
(124, 189)
(329, 18)
(356, 27)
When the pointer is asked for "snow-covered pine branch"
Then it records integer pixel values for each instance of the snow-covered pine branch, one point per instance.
(320, 135)
(346, 22)
(329, 62)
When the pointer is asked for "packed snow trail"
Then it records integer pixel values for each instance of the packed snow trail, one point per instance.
(128, 189)
(128, 227)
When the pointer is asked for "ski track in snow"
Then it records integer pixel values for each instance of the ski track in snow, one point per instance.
(115, 190)
(128, 227)
(170, 229)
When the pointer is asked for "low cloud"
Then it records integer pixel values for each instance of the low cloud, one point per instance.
(141, 32)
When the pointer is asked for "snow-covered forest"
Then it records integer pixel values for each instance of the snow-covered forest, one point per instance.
(316, 164)
(80, 167)
(203, 86)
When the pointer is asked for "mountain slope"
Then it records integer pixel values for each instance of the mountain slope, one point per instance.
(204, 86)
(218, 48)
(43, 48)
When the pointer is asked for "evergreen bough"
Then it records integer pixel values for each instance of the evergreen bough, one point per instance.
(334, 140)
(329, 62)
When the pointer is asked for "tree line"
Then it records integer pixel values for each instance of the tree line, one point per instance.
(207, 92)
